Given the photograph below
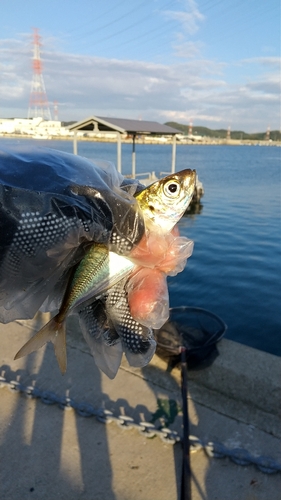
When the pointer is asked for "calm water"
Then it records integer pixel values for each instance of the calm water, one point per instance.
(235, 268)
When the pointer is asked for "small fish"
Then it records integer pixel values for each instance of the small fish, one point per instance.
(98, 270)
(162, 204)
(101, 336)
(109, 330)
(137, 340)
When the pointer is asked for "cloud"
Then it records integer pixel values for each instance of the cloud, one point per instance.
(188, 17)
(187, 49)
(266, 86)
(196, 89)
(189, 116)
(273, 62)
(14, 80)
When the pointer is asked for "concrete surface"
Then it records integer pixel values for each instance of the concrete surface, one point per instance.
(47, 453)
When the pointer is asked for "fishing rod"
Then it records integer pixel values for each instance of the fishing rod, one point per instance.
(185, 493)
(188, 339)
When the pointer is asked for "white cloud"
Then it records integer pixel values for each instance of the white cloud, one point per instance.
(196, 89)
(187, 49)
(188, 17)
(190, 116)
(274, 62)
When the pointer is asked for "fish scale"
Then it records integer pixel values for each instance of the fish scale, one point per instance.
(93, 274)
(94, 262)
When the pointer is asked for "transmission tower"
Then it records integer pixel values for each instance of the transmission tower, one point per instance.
(38, 102)
(56, 111)
(267, 135)
(228, 133)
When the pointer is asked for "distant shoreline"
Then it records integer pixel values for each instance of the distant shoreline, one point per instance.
(206, 141)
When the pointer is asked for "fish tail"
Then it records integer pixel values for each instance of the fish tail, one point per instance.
(53, 331)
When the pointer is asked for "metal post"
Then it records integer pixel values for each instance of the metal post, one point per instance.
(186, 471)
(119, 164)
(134, 157)
(174, 154)
(75, 143)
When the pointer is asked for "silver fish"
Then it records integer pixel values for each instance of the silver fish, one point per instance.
(162, 204)
(109, 330)
(96, 272)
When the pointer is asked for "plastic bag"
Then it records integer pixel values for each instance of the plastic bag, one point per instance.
(147, 286)
(55, 208)
(109, 329)
(51, 205)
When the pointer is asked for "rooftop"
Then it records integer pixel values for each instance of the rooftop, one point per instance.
(122, 125)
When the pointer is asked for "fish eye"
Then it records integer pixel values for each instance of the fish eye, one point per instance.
(171, 189)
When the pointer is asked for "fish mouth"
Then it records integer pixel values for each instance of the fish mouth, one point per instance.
(189, 177)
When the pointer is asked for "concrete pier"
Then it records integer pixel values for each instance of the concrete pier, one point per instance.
(49, 453)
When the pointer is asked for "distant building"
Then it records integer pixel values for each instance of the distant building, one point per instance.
(34, 127)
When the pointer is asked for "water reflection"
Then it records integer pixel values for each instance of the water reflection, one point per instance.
(195, 208)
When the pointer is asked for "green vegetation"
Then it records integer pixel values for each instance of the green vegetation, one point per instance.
(275, 135)
(66, 124)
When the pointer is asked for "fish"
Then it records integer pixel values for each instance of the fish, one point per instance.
(97, 270)
(109, 330)
(162, 204)
(165, 201)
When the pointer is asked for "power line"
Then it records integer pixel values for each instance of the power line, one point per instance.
(139, 22)
(245, 22)
(116, 6)
(161, 29)
(113, 22)
(208, 5)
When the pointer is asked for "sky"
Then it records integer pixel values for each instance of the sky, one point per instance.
(215, 63)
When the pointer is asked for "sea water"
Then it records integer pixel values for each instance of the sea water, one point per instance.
(235, 269)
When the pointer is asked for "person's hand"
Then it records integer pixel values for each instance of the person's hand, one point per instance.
(53, 204)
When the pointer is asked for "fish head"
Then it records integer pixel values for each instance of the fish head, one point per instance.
(164, 202)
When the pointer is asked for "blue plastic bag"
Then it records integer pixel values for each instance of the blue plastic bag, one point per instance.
(51, 205)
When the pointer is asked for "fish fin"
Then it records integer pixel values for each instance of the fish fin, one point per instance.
(107, 357)
(59, 341)
(102, 339)
(140, 359)
(53, 332)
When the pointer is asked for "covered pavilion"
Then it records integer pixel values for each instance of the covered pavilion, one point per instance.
(124, 126)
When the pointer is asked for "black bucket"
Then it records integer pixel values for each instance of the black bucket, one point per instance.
(195, 329)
